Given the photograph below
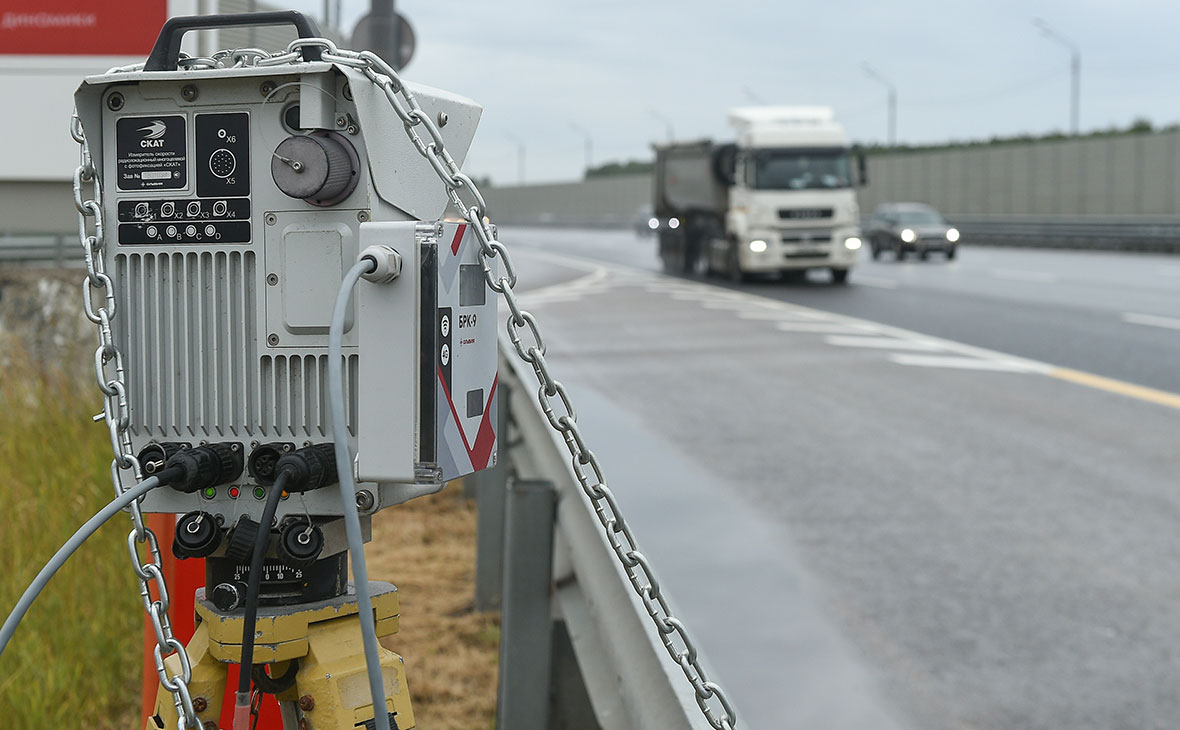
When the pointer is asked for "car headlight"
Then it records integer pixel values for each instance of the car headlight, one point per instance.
(673, 223)
(653, 223)
(908, 235)
(758, 246)
(852, 243)
(952, 234)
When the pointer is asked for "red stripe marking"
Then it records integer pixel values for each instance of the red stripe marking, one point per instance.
(458, 239)
(485, 436)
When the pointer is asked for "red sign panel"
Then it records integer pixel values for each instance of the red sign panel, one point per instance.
(80, 27)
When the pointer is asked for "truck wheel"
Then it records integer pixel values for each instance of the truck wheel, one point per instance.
(839, 276)
(950, 253)
(733, 268)
(899, 252)
(875, 251)
(924, 254)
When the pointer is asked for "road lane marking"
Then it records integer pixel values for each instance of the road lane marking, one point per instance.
(959, 362)
(874, 281)
(1141, 392)
(1037, 277)
(1152, 320)
(881, 343)
(1018, 364)
(834, 328)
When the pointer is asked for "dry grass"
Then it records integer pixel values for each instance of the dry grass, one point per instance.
(427, 549)
(75, 662)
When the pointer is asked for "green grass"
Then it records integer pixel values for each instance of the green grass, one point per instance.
(75, 660)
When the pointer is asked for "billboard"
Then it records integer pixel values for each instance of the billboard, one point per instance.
(80, 27)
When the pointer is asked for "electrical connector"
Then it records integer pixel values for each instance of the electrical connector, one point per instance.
(206, 466)
(387, 264)
(311, 467)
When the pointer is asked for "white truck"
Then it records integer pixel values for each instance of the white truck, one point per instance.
(781, 198)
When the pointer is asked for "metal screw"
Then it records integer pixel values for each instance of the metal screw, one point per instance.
(200, 704)
(272, 340)
(286, 447)
(266, 88)
(347, 90)
(362, 216)
(364, 500)
(115, 102)
(272, 279)
(307, 703)
(342, 121)
(442, 119)
(353, 129)
(210, 725)
(189, 93)
(304, 724)
(271, 219)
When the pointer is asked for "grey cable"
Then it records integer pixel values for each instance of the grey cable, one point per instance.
(352, 519)
(63, 554)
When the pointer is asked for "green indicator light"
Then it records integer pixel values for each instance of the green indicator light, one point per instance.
(259, 493)
(210, 492)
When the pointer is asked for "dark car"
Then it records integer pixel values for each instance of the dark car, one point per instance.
(905, 227)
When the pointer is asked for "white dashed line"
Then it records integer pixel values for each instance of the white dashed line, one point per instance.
(1036, 277)
(960, 363)
(874, 281)
(882, 343)
(1152, 320)
(833, 328)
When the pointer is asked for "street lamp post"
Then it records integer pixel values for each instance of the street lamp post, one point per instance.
(1075, 70)
(667, 123)
(519, 157)
(872, 73)
(589, 144)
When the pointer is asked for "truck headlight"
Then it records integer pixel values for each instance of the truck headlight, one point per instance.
(852, 243)
(673, 223)
(653, 223)
(908, 235)
(952, 234)
(758, 246)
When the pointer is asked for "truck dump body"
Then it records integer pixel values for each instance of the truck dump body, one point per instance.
(685, 180)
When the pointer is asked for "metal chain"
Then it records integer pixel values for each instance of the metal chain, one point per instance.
(109, 372)
(709, 696)
(672, 632)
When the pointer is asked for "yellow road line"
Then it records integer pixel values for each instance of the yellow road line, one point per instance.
(1151, 395)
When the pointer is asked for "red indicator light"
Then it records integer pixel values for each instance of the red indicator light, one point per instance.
(234, 492)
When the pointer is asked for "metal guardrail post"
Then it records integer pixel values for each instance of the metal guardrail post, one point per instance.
(490, 489)
(526, 624)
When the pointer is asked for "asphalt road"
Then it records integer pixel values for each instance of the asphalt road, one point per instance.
(937, 498)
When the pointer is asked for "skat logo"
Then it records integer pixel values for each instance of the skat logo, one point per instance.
(153, 134)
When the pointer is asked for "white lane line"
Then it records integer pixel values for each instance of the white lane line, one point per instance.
(1152, 320)
(834, 328)
(882, 343)
(785, 315)
(961, 363)
(873, 281)
(1038, 277)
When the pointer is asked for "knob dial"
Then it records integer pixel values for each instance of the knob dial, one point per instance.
(319, 168)
(228, 596)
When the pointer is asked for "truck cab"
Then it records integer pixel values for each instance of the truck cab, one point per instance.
(792, 197)
(781, 198)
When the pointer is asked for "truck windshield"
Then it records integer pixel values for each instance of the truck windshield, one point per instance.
(799, 169)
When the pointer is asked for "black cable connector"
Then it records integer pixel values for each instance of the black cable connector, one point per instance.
(206, 466)
(312, 467)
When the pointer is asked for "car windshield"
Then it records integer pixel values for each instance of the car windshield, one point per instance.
(799, 170)
(918, 217)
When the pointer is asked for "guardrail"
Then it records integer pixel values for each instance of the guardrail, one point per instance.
(1156, 235)
(577, 647)
(60, 250)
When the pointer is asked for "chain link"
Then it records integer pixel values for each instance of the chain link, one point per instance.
(561, 415)
(465, 196)
(99, 305)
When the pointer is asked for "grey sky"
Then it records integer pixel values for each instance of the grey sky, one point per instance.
(962, 70)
